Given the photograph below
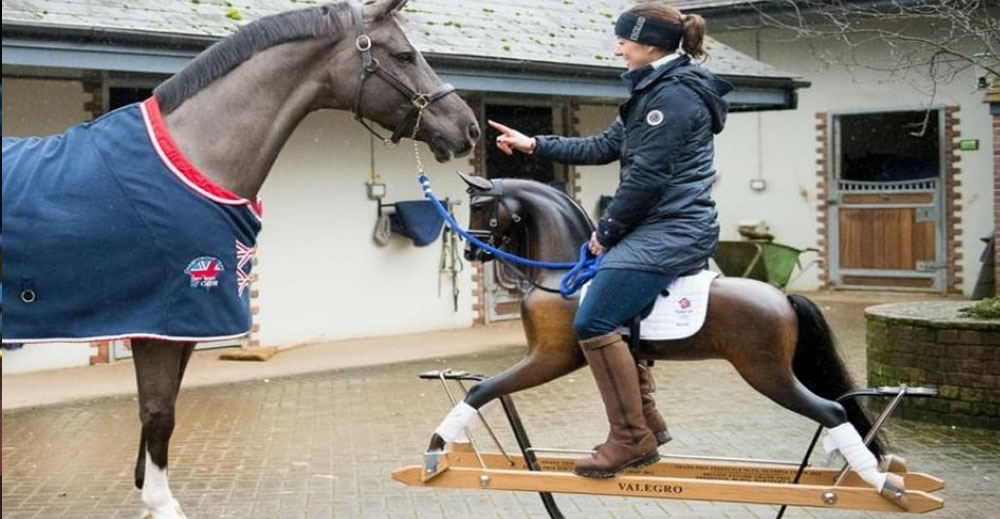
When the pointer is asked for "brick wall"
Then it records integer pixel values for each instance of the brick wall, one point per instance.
(961, 360)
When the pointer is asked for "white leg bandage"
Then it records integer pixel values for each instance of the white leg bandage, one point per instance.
(845, 438)
(453, 426)
(156, 494)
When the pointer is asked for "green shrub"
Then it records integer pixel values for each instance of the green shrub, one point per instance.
(988, 308)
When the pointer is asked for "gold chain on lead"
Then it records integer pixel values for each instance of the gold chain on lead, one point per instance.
(416, 145)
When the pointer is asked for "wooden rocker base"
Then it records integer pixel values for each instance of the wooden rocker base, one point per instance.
(690, 479)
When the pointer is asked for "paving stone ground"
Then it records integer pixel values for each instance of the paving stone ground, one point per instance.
(323, 445)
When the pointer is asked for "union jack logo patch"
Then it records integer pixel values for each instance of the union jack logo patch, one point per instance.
(244, 258)
(204, 272)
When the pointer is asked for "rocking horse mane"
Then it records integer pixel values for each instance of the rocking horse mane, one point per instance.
(227, 54)
(537, 198)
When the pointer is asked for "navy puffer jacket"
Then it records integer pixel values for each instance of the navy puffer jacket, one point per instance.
(662, 217)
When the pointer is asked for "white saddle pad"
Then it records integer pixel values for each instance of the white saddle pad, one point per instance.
(678, 315)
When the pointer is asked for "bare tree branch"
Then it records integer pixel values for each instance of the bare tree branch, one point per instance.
(939, 39)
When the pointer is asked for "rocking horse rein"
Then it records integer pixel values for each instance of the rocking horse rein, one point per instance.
(579, 272)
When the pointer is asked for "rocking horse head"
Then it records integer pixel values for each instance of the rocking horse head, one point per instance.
(524, 217)
(492, 216)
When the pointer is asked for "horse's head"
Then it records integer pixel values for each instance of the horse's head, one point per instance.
(392, 83)
(493, 217)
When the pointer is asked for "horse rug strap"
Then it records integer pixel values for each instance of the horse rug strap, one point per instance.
(680, 313)
(111, 233)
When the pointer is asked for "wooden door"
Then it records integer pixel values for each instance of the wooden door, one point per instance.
(886, 205)
(888, 240)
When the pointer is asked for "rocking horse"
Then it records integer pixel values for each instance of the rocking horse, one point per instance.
(781, 345)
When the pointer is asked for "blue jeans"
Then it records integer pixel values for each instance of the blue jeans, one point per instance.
(614, 297)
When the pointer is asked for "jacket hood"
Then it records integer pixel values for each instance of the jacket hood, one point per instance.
(709, 87)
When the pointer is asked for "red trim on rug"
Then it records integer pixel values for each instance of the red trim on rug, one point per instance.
(182, 167)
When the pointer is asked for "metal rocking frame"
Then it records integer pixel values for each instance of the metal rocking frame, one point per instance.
(531, 460)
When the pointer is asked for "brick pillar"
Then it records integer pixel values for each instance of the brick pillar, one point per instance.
(253, 338)
(573, 131)
(995, 110)
(953, 200)
(822, 209)
(477, 166)
(93, 85)
(102, 354)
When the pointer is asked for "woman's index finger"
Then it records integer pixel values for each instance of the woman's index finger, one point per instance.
(500, 127)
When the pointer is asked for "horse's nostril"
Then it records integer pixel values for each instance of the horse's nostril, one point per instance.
(474, 132)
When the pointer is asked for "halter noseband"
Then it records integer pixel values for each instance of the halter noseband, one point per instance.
(496, 192)
(370, 66)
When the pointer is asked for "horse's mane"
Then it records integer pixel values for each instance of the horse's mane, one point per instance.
(550, 197)
(538, 196)
(227, 54)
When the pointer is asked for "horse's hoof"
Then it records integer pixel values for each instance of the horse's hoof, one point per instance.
(893, 463)
(178, 513)
(894, 489)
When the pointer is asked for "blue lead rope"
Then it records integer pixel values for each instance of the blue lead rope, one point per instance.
(579, 273)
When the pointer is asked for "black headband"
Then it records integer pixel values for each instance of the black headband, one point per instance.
(648, 31)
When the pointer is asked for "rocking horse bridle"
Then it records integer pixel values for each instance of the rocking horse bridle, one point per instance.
(496, 193)
(370, 66)
(489, 236)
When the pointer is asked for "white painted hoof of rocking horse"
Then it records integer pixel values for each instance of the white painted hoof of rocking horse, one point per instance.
(894, 490)
(171, 511)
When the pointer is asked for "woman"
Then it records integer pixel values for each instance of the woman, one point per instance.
(661, 222)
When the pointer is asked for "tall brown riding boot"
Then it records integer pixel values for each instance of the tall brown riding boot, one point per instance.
(654, 420)
(630, 443)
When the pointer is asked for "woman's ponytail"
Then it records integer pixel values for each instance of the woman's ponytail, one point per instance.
(694, 35)
(692, 39)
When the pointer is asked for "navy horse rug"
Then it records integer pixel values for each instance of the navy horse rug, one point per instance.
(109, 232)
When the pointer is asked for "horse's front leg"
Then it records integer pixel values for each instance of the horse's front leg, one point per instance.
(552, 353)
(159, 369)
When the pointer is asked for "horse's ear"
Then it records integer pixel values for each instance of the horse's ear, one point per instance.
(378, 9)
(475, 183)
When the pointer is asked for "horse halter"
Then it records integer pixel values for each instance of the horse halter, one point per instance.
(495, 193)
(370, 66)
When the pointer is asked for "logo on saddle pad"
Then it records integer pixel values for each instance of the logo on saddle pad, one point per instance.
(204, 272)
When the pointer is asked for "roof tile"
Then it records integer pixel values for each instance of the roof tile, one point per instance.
(557, 31)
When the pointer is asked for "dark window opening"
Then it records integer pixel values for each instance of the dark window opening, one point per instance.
(889, 146)
(529, 120)
(122, 96)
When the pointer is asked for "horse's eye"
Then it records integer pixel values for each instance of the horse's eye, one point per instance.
(405, 57)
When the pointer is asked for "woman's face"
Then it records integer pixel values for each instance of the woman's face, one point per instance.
(636, 55)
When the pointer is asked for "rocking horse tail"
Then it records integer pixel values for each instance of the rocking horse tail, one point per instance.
(819, 366)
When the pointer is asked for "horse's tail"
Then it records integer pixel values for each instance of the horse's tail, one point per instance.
(819, 367)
